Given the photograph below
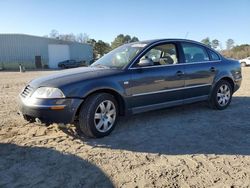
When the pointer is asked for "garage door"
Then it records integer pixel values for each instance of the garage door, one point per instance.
(57, 53)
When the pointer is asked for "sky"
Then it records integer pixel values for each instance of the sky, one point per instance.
(145, 19)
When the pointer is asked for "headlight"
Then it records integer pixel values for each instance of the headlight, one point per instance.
(48, 93)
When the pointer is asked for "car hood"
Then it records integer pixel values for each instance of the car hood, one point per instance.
(69, 76)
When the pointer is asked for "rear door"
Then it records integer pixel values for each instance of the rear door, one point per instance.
(199, 70)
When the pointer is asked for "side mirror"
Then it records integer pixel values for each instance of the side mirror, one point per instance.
(145, 62)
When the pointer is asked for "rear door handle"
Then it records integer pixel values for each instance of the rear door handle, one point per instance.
(212, 69)
(179, 73)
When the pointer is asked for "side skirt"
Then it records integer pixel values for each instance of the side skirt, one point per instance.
(141, 109)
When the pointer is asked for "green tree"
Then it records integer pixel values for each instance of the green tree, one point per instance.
(215, 43)
(123, 39)
(92, 42)
(119, 40)
(229, 44)
(134, 39)
(99, 47)
(206, 41)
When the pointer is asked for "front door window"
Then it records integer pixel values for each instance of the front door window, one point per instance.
(164, 54)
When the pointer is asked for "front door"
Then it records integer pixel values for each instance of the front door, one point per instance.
(158, 83)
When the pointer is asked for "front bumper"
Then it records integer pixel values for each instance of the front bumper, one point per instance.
(50, 110)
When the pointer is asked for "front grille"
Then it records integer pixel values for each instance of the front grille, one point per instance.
(27, 91)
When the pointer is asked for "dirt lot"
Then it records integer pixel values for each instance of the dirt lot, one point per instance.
(188, 146)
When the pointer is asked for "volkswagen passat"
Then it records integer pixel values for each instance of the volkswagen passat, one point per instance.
(133, 78)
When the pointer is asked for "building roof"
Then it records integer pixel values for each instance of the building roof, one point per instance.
(40, 37)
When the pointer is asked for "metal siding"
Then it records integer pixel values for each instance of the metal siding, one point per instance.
(16, 49)
(81, 52)
(19, 48)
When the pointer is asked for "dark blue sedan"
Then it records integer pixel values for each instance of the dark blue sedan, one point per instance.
(133, 78)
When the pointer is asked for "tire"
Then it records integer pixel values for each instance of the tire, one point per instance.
(221, 96)
(28, 119)
(98, 115)
(243, 64)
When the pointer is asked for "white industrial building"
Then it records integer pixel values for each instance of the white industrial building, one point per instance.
(39, 52)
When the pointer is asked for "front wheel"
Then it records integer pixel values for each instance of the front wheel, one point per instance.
(98, 115)
(221, 95)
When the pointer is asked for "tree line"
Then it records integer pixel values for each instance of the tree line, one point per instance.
(231, 50)
(100, 47)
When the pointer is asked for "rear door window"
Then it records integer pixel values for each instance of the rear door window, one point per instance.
(214, 56)
(194, 53)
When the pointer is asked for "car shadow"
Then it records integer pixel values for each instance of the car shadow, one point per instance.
(188, 129)
(23, 166)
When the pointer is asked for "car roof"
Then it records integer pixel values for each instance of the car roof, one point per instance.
(170, 40)
(151, 42)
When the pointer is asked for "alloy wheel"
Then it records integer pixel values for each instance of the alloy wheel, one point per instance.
(105, 116)
(223, 95)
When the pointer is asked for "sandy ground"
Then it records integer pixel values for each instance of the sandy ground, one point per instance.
(188, 146)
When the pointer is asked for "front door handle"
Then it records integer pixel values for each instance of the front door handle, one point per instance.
(179, 73)
(212, 69)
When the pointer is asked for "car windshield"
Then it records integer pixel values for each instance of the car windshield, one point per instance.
(119, 57)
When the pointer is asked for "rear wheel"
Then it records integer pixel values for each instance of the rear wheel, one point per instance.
(222, 95)
(98, 115)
